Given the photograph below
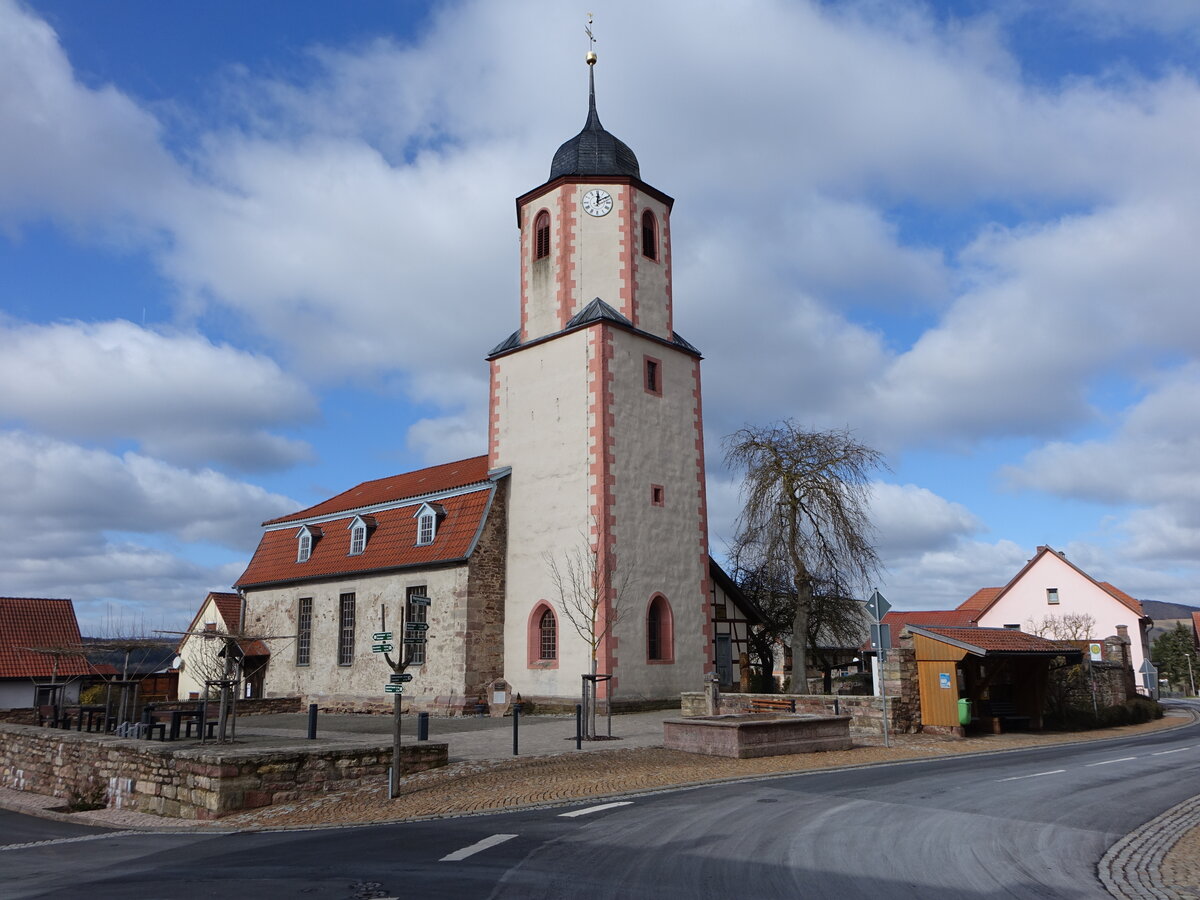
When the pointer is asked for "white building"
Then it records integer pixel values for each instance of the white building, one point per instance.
(595, 453)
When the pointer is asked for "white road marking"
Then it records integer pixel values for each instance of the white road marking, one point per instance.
(477, 847)
(1164, 752)
(591, 809)
(1034, 775)
(1107, 761)
(70, 840)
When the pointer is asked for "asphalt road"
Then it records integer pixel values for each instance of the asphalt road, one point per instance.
(1019, 824)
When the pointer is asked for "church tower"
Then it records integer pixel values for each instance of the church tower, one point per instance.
(595, 407)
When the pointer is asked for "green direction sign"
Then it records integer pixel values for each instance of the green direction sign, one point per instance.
(418, 600)
(382, 648)
(380, 636)
(417, 626)
(415, 639)
(393, 689)
(401, 678)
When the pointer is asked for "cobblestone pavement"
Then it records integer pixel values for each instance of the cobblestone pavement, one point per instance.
(1160, 860)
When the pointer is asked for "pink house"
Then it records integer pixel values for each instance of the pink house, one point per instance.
(1053, 595)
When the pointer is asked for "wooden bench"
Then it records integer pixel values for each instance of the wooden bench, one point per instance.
(782, 705)
(1006, 718)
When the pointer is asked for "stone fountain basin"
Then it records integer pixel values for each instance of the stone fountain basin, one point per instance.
(757, 734)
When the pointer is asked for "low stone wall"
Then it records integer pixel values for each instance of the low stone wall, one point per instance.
(259, 706)
(748, 737)
(191, 783)
(865, 713)
(20, 716)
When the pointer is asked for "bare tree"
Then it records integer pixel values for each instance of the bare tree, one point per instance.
(591, 588)
(1067, 627)
(805, 514)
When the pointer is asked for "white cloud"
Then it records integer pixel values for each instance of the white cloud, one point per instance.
(909, 519)
(180, 396)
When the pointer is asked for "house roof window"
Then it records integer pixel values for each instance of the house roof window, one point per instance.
(306, 538)
(428, 516)
(360, 530)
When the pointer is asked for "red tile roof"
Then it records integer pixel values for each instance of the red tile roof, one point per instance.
(27, 625)
(391, 544)
(398, 487)
(230, 608)
(984, 598)
(1001, 640)
(898, 618)
(981, 599)
(1133, 604)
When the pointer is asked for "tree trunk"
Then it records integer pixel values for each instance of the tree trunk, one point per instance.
(592, 706)
(800, 635)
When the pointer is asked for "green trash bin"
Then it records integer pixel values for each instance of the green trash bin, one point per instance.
(964, 711)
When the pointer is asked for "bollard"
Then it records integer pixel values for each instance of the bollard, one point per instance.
(578, 726)
(423, 726)
(312, 721)
(516, 724)
(837, 707)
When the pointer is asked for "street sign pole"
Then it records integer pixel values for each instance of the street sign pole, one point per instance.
(878, 608)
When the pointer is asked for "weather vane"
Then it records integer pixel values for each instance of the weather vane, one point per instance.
(591, 55)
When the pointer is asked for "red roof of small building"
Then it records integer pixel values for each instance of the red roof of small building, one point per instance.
(1001, 640)
(29, 625)
(898, 618)
(392, 542)
(230, 608)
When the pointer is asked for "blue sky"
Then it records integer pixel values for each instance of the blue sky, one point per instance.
(251, 255)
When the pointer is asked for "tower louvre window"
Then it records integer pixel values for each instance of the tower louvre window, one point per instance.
(541, 235)
(653, 375)
(649, 235)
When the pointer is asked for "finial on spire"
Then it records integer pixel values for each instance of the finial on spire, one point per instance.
(591, 54)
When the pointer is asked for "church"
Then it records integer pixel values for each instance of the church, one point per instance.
(583, 532)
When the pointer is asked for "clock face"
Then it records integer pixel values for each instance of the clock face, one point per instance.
(597, 202)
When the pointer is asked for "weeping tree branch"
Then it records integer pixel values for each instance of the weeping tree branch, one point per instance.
(805, 519)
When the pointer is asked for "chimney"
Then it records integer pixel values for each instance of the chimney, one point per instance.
(1123, 633)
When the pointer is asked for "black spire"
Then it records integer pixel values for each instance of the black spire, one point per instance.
(594, 151)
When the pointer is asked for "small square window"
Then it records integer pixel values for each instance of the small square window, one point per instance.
(1052, 595)
(657, 495)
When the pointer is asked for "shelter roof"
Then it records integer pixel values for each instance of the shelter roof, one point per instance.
(899, 618)
(996, 641)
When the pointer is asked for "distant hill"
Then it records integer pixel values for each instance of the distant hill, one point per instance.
(1157, 610)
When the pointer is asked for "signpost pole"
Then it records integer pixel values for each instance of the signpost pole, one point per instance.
(878, 607)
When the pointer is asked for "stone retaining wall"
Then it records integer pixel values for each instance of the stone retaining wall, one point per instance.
(20, 716)
(866, 716)
(190, 783)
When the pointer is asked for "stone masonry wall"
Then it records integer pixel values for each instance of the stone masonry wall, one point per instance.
(193, 783)
(483, 635)
(866, 716)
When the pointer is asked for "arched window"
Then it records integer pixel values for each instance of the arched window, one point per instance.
(541, 235)
(649, 235)
(548, 636)
(543, 637)
(660, 639)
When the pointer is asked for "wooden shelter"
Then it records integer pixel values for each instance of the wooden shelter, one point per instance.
(1002, 672)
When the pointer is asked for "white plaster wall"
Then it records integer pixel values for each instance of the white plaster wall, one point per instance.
(542, 424)
(438, 681)
(20, 693)
(655, 443)
(652, 277)
(198, 653)
(597, 252)
(1026, 601)
(541, 287)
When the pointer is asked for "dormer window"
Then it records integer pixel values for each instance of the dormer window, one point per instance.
(360, 529)
(427, 518)
(306, 537)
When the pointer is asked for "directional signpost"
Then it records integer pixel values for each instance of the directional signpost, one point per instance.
(417, 626)
(1149, 673)
(383, 648)
(400, 678)
(393, 689)
(414, 639)
(881, 640)
(418, 600)
(381, 637)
